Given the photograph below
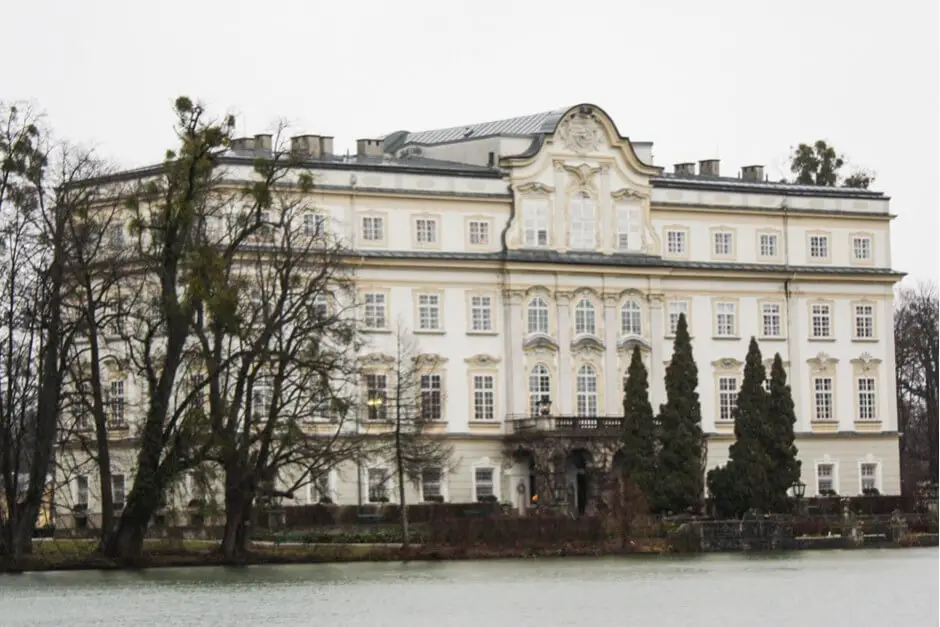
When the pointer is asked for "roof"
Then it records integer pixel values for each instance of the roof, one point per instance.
(725, 183)
(522, 126)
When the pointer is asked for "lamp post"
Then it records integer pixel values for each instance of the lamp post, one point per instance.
(799, 490)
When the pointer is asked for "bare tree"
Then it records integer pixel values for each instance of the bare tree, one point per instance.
(916, 353)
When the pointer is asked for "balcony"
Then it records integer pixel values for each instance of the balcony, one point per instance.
(564, 426)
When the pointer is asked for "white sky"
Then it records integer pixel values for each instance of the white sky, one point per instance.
(740, 80)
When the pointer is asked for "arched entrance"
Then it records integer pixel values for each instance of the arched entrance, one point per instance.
(579, 463)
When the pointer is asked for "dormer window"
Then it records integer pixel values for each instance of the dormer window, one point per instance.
(583, 222)
(584, 319)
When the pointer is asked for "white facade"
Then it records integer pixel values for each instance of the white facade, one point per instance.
(544, 270)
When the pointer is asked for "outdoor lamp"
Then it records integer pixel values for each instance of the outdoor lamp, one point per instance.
(544, 406)
(799, 489)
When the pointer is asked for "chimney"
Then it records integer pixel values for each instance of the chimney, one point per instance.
(326, 145)
(753, 173)
(263, 142)
(369, 148)
(306, 145)
(685, 169)
(243, 144)
(708, 167)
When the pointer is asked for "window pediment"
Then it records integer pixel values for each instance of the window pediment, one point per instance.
(727, 363)
(376, 359)
(627, 344)
(540, 341)
(587, 343)
(482, 360)
(823, 362)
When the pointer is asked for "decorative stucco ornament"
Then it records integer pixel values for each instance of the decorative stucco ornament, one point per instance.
(581, 133)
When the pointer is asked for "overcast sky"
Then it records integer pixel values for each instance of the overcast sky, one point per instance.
(742, 81)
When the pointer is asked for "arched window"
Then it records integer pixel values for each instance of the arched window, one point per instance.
(584, 322)
(631, 319)
(540, 388)
(587, 391)
(538, 316)
(583, 222)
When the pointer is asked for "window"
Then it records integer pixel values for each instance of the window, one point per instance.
(116, 236)
(868, 477)
(429, 312)
(479, 233)
(631, 318)
(677, 308)
(767, 245)
(376, 396)
(676, 242)
(481, 313)
(483, 483)
(821, 321)
(321, 486)
(313, 224)
(426, 231)
(536, 223)
(861, 248)
(825, 478)
(819, 246)
(864, 322)
(116, 403)
(822, 387)
(770, 320)
(194, 383)
(117, 491)
(540, 388)
(629, 228)
(81, 491)
(866, 398)
(373, 228)
(725, 319)
(378, 485)
(430, 397)
(584, 323)
(538, 316)
(587, 391)
(321, 306)
(431, 483)
(727, 397)
(375, 311)
(265, 225)
(722, 243)
(583, 222)
(484, 400)
(261, 398)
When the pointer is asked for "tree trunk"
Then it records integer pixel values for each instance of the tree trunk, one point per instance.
(101, 439)
(400, 470)
(238, 509)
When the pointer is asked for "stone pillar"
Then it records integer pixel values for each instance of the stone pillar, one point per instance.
(797, 375)
(613, 392)
(887, 410)
(514, 366)
(559, 226)
(563, 383)
(659, 352)
(606, 238)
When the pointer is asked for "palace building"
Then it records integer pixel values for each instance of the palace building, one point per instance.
(528, 256)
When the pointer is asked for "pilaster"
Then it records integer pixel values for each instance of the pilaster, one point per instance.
(559, 225)
(797, 376)
(612, 386)
(605, 236)
(659, 351)
(564, 383)
(514, 371)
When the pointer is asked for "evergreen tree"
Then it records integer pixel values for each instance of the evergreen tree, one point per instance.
(680, 468)
(785, 467)
(639, 436)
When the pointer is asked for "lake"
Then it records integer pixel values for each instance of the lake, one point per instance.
(826, 588)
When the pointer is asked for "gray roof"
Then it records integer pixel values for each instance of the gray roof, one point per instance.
(701, 181)
(382, 162)
(522, 126)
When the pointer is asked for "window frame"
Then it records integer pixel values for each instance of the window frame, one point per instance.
(118, 479)
(819, 392)
(366, 294)
(476, 305)
(431, 396)
(587, 392)
(728, 328)
(434, 311)
(828, 318)
(372, 389)
(536, 222)
(764, 317)
(376, 218)
(440, 483)
(585, 318)
(822, 236)
(872, 320)
(541, 390)
(866, 399)
(373, 495)
(538, 317)
(729, 248)
(776, 246)
(670, 327)
(853, 249)
(582, 231)
(682, 237)
(631, 309)
(492, 483)
(875, 475)
(484, 223)
(480, 394)
(426, 231)
(833, 477)
(723, 394)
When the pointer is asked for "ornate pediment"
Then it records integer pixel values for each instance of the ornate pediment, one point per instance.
(627, 343)
(627, 193)
(376, 359)
(865, 362)
(482, 360)
(539, 341)
(430, 360)
(822, 362)
(727, 363)
(534, 187)
(587, 343)
(583, 174)
(581, 133)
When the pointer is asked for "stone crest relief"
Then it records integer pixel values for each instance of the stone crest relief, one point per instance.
(580, 133)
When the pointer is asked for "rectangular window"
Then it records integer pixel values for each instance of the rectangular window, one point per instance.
(822, 387)
(770, 320)
(583, 222)
(727, 397)
(821, 321)
(81, 491)
(866, 398)
(676, 308)
(378, 485)
(676, 242)
(431, 479)
(374, 317)
(481, 313)
(536, 223)
(429, 312)
(117, 491)
(116, 402)
(861, 248)
(825, 478)
(426, 231)
(819, 246)
(723, 243)
(322, 487)
(377, 396)
(116, 236)
(864, 321)
(373, 228)
(868, 475)
(484, 397)
(629, 228)
(313, 224)
(725, 319)
(262, 395)
(430, 397)
(321, 306)
(483, 483)
(479, 233)
(768, 245)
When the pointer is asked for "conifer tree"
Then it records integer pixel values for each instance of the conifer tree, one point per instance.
(639, 436)
(680, 467)
(785, 467)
